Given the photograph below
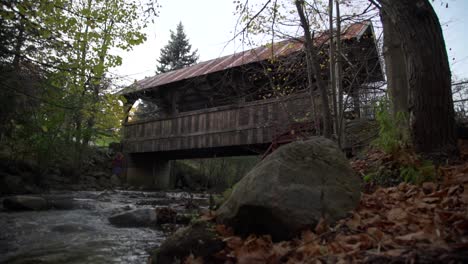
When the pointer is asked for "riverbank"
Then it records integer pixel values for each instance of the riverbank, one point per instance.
(83, 233)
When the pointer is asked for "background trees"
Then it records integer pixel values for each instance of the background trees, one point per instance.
(177, 53)
(421, 54)
(55, 57)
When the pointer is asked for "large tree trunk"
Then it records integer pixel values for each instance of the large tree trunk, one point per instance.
(397, 81)
(429, 78)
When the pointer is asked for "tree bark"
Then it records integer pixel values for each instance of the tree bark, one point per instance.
(339, 79)
(18, 46)
(332, 63)
(432, 116)
(397, 81)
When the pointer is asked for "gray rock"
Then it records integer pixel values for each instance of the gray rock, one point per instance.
(24, 202)
(10, 184)
(198, 239)
(292, 189)
(143, 217)
(32, 189)
(104, 182)
(99, 174)
(63, 204)
(55, 177)
(115, 181)
(90, 179)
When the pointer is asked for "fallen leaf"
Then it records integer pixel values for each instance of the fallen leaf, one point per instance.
(233, 242)
(322, 226)
(308, 236)
(375, 233)
(397, 214)
(354, 222)
(192, 260)
(224, 231)
(412, 237)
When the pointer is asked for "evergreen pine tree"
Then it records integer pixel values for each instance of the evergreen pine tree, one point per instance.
(177, 53)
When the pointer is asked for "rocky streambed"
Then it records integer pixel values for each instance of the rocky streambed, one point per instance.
(75, 226)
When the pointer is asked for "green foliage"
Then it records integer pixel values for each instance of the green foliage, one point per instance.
(55, 57)
(388, 134)
(418, 174)
(177, 53)
(216, 174)
(220, 199)
(227, 193)
(391, 138)
(369, 177)
(393, 173)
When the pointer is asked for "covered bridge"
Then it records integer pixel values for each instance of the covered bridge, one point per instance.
(235, 105)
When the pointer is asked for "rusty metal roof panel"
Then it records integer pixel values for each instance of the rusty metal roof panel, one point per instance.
(282, 48)
(203, 67)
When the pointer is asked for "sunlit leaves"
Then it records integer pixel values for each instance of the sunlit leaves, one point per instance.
(72, 44)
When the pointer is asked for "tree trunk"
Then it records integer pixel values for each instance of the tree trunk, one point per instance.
(18, 46)
(333, 82)
(313, 67)
(432, 115)
(339, 79)
(397, 81)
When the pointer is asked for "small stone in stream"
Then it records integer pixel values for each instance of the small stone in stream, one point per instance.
(155, 195)
(24, 202)
(154, 202)
(63, 204)
(198, 239)
(115, 181)
(144, 217)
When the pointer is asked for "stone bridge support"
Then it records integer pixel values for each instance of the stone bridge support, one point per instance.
(149, 171)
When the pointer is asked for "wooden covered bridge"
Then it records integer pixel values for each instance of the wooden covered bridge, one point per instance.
(234, 105)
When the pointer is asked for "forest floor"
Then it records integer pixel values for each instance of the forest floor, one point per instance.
(426, 223)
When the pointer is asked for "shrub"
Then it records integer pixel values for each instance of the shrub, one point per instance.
(391, 137)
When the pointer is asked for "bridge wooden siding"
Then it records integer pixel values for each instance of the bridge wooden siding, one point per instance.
(250, 123)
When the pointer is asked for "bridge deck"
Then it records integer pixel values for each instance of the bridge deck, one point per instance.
(246, 124)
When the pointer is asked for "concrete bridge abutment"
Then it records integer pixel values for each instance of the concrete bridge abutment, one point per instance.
(149, 171)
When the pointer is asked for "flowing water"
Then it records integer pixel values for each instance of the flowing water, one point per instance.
(83, 235)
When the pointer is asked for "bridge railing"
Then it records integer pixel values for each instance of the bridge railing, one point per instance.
(234, 125)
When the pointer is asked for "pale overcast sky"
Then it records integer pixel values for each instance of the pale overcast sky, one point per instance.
(209, 25)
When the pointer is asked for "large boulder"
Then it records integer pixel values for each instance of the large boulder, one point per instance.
(24, 202)
(198, 239)
(143, 217)
(292, 189)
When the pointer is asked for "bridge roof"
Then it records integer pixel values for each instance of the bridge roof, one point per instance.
(278, 49)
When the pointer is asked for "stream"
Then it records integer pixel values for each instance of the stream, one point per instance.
(84, 234)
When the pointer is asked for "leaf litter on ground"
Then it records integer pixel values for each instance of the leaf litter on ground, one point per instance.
(400, 224)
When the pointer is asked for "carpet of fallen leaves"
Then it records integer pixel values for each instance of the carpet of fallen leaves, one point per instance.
(400, 224)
